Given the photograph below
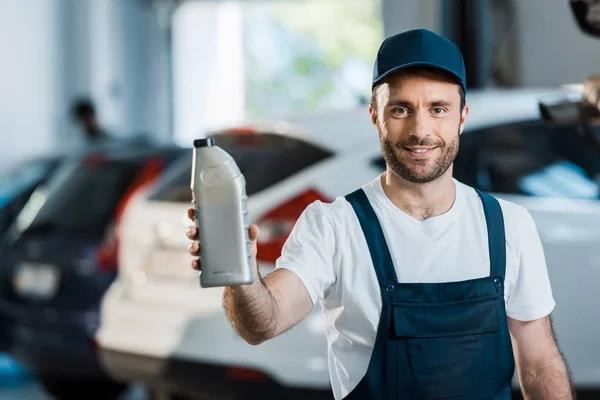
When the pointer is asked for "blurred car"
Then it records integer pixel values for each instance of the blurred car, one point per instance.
(18, 183)
(16, 187)
(60, 256)
(159, 327)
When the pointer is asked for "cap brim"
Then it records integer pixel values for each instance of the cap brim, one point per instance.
(420, 64)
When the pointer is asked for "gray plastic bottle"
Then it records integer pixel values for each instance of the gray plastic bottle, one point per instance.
(219, 197)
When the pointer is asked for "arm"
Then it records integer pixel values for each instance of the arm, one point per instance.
(542, 371)
(267, 308)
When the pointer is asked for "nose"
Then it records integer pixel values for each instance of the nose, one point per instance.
(420, 124)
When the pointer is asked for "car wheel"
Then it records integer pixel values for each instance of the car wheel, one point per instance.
(77, 389)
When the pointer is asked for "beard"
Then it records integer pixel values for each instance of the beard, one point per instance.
(419, 171)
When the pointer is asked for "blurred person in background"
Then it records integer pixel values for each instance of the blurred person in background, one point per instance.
(91, 133)
(430, 288)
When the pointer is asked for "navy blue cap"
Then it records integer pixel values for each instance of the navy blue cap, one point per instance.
(419, 47)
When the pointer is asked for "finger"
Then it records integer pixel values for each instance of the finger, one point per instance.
(194, 248)
(191, 214)
(192, 233)
(253, 232)
(196, 265)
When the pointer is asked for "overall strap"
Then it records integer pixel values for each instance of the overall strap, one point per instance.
(380, 254)
(496, 235)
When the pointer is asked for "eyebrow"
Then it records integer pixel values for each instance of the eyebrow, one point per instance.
(408, 104)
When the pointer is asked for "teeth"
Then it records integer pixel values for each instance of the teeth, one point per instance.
(419, 150)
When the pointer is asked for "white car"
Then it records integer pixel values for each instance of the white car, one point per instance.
(160, 328)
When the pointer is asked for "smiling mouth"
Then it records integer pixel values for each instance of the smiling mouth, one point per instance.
(419, 150)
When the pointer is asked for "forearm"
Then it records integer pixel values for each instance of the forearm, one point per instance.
(252, 310)
(547, 381)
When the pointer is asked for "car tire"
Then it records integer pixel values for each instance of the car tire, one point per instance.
(77, 389)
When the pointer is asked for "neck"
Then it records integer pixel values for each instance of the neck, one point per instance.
(420, 200)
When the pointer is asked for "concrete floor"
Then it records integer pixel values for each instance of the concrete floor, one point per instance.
(17, 384)
(31, 391)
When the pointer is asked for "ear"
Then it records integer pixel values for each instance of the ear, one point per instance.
(463, 117)
(373, 113)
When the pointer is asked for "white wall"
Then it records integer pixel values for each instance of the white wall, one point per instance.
(110, 51)
(28, 77)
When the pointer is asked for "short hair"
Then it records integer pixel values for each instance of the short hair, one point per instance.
(423, 71)
(83, 107)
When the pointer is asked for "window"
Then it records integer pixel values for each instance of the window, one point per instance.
(237, 60)
(265, 159)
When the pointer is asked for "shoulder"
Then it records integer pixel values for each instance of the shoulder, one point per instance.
(511, 212)
(518, 222)
(519, 225)
(336, 217)
(336, 211)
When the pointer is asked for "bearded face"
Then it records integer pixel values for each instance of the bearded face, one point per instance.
(419, 160)
(419, 118)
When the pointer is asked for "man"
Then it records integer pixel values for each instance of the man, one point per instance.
(428, 286)
(84, 114)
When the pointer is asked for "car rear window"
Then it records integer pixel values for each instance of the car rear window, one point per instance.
(84, 202)
(23, 176)
(264, 158)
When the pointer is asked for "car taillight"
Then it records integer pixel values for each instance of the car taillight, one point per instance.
(276, 225)
(108, 253)
(106, 258)
(245, 374)
(95, 346)
(241, 131)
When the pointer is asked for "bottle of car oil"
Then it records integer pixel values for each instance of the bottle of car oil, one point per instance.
(219, 197)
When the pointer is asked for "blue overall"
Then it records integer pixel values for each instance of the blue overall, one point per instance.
(438, 340)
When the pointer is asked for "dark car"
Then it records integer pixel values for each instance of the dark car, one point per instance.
(17, 184)
(59, 257)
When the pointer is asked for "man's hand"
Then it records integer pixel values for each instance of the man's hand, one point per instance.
(194, 247)
(265, 308)
(542, 371)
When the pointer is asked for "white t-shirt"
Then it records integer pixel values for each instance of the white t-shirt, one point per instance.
(328, 251)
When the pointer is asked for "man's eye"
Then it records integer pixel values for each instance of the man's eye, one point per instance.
(400, 111)
(439, 111)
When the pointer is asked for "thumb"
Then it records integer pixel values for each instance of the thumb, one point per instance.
(253, 232)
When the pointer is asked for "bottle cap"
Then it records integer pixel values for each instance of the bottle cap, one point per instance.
(208, 142)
